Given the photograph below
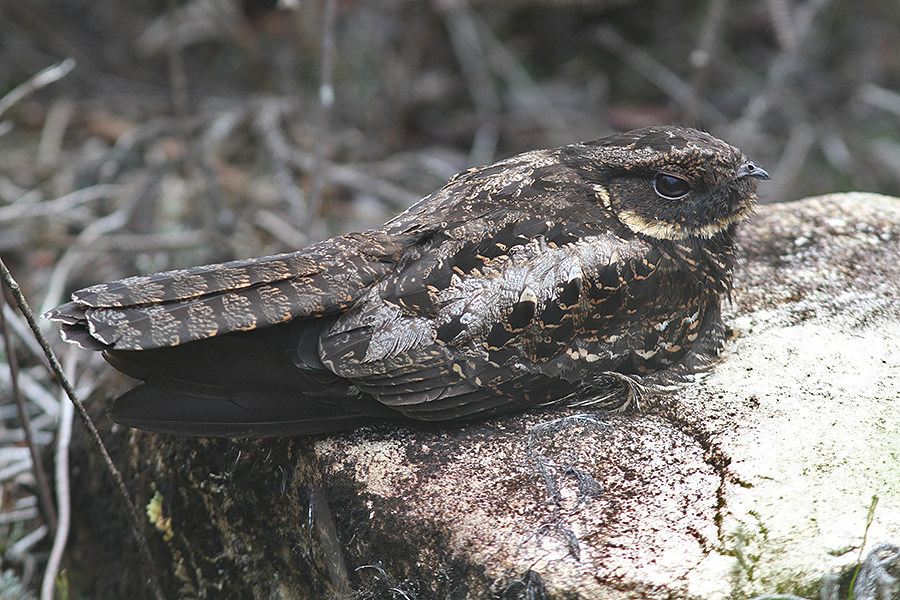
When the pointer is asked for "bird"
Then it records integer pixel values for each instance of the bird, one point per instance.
(533, 281)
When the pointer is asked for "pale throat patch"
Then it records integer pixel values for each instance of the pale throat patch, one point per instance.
(664, 230)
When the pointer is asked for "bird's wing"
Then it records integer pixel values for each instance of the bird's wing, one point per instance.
(523, 303)
(175, 307)
(526, 314)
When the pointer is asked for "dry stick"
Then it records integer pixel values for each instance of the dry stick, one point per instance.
(785, 32)
(45, 499)
(142, 242)
(24, 334)
(879, 97)
(53, 132)
(45, 77)
(59, 205)
(656, 73)
(779, 72)
(326, 103)
(355, 179)
(267, 123)
(701, 57)
(208, 147)
(528, 93)
(63, 439)
(177, 76)
(472, 56)
(796, 150)
(133, 515)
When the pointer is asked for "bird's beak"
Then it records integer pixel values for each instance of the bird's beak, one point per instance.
(750, 169)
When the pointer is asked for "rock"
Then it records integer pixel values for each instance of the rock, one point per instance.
(756, 479)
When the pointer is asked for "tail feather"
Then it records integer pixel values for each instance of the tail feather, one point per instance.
(175, 307)
(186, 284)
(259, 413)
(235, 386)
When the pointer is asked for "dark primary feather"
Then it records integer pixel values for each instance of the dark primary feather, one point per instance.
(522, 283)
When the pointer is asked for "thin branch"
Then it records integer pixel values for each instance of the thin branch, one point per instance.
(790, 165)
(44, 78)
(59, 205)
(777, 76)
(267, 123)
(326, 102)
(16, 516)
(132, 513)
(323, 525)
(879, 97)
(522, 86)
(656, 73)
(471, 54)
(20, 328)
(54, 131)
(60, 273)
(175, 59)
(43, 485)
(143, 242)
(63, 439)
(355, 179)
(701, 57)
(279, 228)
(208, 149)
(780, 14)
(25, 544)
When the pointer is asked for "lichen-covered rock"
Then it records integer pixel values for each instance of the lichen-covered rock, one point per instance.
(758, 478)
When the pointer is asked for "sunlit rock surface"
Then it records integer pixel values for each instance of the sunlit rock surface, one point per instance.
(757, 479)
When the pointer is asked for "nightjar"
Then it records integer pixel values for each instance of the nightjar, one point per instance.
(532, 281)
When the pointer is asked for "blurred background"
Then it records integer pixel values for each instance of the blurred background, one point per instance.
(208, 130)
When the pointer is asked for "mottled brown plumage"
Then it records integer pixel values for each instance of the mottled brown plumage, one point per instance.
(530, 281)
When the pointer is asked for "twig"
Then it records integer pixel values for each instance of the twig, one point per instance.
(279, 228)
(323, 525)
(355, 179)
(43, 486)
(880, 97)
(63, 438)
(175, 59)
(701, 57)
(870, 518)
(326, 103)
(267, 123)
(22, 514)
(657, 74)
(132, 513)
(61, 204)
(24, 544)
(143, 242)
(470, 52)
(59, 275)
(53, 132)
(24, 334)
(790, 165)
(207, 153)
(780, 14)
(780, 69)
(528, 93)
(45, 77)
(15, 465)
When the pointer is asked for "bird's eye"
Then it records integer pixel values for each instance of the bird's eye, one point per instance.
(671, 187)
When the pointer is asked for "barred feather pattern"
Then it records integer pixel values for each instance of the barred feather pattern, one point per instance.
(539, 279)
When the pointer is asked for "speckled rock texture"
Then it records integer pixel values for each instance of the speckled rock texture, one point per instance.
(756, 479)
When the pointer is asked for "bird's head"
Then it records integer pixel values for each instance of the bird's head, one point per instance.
(672, 183)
